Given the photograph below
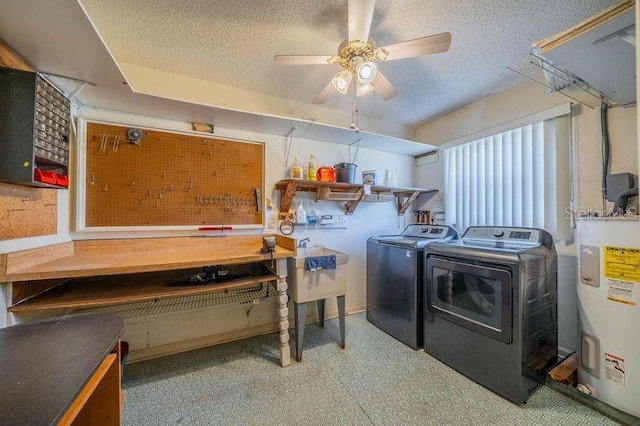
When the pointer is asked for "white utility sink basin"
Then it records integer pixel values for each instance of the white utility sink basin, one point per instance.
(304, 252)
(306, 286)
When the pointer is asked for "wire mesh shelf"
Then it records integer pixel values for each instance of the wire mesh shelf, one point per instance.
(540, 70)
(138, 312)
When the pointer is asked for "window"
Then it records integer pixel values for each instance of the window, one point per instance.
(509, 179)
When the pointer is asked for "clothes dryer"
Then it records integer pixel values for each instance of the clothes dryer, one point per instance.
(491, 307)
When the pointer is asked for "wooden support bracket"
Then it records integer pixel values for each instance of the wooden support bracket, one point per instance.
(351, 205)
(404, 205)
(323, 193)
(287, 199)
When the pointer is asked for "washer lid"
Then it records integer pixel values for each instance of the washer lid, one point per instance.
(401, 240)
(417, 236)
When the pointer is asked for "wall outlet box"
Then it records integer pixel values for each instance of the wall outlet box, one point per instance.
(617, 184)
(273, 222)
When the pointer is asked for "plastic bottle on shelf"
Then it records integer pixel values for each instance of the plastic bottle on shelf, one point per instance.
(311, 171)
(296, 169)
(312, 218)
(301, 215)
(392, 179)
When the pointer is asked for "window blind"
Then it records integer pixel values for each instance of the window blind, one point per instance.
(508, 179)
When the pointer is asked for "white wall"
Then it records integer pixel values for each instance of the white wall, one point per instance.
(368, 219)
(528, 99)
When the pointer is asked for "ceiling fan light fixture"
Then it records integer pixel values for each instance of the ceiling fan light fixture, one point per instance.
(364, 89)
(380, 54)
(341, 81)
(366, 72)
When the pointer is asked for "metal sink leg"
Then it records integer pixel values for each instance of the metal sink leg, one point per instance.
(300, 313)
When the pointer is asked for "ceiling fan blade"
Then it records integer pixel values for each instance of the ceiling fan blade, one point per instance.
(384, 87)
(360, 16)
(301, 60)
(420, 46)
(324, 95)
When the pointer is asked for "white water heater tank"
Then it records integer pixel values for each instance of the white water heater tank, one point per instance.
(609, 311)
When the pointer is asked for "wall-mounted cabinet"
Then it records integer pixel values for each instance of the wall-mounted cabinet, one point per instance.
(34, 130)
(352, 193)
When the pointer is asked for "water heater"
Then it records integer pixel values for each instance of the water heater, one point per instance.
(609, 311)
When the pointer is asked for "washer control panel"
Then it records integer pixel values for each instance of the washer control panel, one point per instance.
(427, 231)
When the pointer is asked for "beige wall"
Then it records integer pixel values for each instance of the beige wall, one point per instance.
(521, 101)
(528, 99)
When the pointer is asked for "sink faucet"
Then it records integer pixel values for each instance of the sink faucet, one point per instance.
(303, 242)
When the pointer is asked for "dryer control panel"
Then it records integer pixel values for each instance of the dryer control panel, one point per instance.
(506, 234)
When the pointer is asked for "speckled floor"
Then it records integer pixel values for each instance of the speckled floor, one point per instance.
(375, 380)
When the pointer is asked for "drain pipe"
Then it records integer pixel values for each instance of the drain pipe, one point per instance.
(621, 200)
(606, 150)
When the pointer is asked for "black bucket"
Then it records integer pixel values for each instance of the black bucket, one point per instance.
(345, 172)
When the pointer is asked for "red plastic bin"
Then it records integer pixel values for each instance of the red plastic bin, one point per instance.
(45, 177)
(62, 180)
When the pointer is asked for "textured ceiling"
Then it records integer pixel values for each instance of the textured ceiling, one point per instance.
(233, 42)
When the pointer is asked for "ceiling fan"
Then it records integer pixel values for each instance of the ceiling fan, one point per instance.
(358, 56)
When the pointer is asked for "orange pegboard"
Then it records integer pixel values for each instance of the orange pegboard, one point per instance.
(171, 179)
(27, 212)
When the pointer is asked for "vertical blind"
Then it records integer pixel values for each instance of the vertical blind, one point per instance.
(507, 179)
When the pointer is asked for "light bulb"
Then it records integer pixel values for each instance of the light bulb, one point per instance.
(341, 81)
(366, 72)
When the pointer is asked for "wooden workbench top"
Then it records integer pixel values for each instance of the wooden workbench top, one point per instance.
(85, 258)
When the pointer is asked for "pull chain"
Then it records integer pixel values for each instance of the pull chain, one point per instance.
(354, 117)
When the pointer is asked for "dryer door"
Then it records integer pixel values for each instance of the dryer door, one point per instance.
(477, 297)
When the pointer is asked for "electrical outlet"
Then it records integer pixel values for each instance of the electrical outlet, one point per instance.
(273, 222)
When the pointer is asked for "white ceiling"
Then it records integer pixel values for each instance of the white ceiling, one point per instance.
(211, 61)
(233, 42)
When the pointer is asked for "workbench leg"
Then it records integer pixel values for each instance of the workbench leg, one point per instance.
(300, 312)
(341, 319)
(283, 313)
(320, 303)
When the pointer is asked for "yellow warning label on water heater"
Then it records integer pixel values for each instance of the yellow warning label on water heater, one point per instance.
(622, 263)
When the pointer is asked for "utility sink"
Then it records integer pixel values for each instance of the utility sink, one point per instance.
(306, 286)
(304, 252)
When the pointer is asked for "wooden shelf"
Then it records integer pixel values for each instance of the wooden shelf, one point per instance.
(352, 193)
(85, 293)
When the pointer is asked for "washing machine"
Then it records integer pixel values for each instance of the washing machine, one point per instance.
(395, 300)
(491, 307)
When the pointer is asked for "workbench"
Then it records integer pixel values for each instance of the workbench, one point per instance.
(64, 275)
(62, 371)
